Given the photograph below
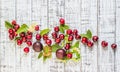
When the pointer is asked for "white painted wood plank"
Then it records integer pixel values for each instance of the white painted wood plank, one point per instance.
(7, 49)
(23, 62)
(106, 32)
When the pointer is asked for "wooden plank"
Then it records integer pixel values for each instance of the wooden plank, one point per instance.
(7, 49)
(89, 21)
(106, 31)
(55, 12)
(23, 62)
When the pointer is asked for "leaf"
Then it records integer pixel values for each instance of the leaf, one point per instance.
(16, 38)
(89, 34)
(8, 25)
(40, 55)
(76, 45)
(78, 55)
(66, 27)
(61, 29)
(23, 28)
(44, 58)
(66, 39)
(83, 35)
(45, 31)
(55, 47)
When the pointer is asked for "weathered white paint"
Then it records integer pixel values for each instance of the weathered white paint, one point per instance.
(100, 16)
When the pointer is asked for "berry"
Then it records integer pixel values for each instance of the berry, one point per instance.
(67, 46)
(77, 37)
(16, 27)
(57, 40)
(95, 38)
(26, 50)
(113, 46)
(70, 38)
(29, 33)
(89, 44)
(45, 37)
(61, 36)
(38, 36)
(15, 34)
(54, 35)
(14, 22)
(11, 36)
(60, 53)
(69, 31)
(104, 44)
(48, 42)
(56, 29)
(29, 37)
(24, 39)
(75, 31)
(29, 43)
(62, 21)
(10, 31)
(36, 27)
(37, 46)
(69, 55)
(19, 42)
(84, 40)
(22, 34)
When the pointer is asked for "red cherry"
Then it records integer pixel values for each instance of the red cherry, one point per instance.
(54, 35)
(61, 36)
(38, 36)
(26, 50)
(37, 27)
(104, 44)
(56, 29)
(19, 42)
(48, 42)
(29, 37)
(113, 46)
(57, 40)
(84, 40)
(29, 33)
(10, 31)
(89, 44)
(69, 55)
(70, 38)
(95, 38)
(77, 37)
(67, 46)
(29, 43)
(22, 34)
(16, 27)
(62, 21)
(69, 31)
(45, 37)
(75, 31)
(24, 39)
(11, 36)
(14, 22)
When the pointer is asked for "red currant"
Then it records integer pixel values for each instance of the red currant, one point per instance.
(19, 42)
(57, 40)
(56, 29)
(10, 31)
(62, 21)
(70, 38)
(37, 27)
(45, 37)
(89, 44)
(95, 38)
(104, 44)
(29, 43)
(61, 36)
(69, 31)
(26, 50)
(54, 35)
(69, 55)
(67, 46)
(113, 46)
(75, 31)
(84, 40)
(14, 22)
(48, 42)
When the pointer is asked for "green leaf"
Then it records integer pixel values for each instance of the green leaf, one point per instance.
(66, 27)
(89, 34)
(66, 39)
(61, 29)
(8, 25)
(45, 31)
(83, 35)
(23, 28)
(55, 47)
(78, 55)
(40, 55)
(44, 58)
(76, 45)
(16, 38)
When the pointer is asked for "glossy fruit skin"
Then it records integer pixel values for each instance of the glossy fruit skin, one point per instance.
(45, 37)
(14, 22)
(11, 36)
(10, 31)
(104, 44)
(26, 50)
(67, 46)
(57, 40)
(29, 37)
(22, 34)
(37, 46)
(60, 53)
(29, 33)
(37, 27)
(19, 42)
(70, 38)
(95, 38)
(29, 43)
(62, 21)
(69, 55)
(38, 36)
(56, 29)
(84, 40)
(24, 39)
(69, 32)
(75, 31)
(77, 37)
(16, 27)
(54, 35)
(61, 36)
(114, 46)
(90, 44)
(48, 42)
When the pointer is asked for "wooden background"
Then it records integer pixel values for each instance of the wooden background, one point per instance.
(102, 17)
